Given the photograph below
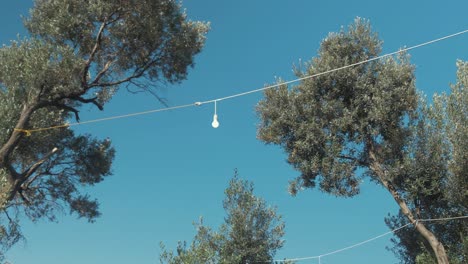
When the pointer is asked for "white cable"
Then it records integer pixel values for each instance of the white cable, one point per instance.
(336, 69)
(370, 239)
(130, 115)
(28, 131)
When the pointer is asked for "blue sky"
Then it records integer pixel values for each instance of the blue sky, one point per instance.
(172, 167)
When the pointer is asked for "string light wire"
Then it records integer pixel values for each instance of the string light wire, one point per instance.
(319, 257)
(199, 103)
(337, 69)
(29, 131)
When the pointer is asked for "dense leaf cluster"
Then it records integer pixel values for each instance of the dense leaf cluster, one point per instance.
(368, 120)
(78, 52)
(251, 232)
(436, 181)
(328, 124)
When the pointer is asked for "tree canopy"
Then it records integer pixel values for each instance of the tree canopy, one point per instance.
(78, 52)
(329, 124)
(362, 121)
(437, 183)
(251, 232)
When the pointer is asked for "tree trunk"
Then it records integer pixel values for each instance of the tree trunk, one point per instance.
(7, 195)
(13, 177)
(15, 136)
(436, 245)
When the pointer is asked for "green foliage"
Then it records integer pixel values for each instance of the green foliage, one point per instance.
(33, 67)
(139, 34)
(328, 124)
(203, 248)
(79, 52)
(456, 117)
(251, 232)
(436, 183)
(368, 120)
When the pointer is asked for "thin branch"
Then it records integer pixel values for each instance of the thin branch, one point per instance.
(107, 21)
(147, 89)
(41, 91)
(25, 175)
(359, 162)
(8, 216)
(26, 185)
(134, 91)
(347, 157)
(93, 51)
(136, 74)
(90, 100)
(23, 197)
(109, 84)
(67, 108)
(102, 72)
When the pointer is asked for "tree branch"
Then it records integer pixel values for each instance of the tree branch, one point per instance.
(8, 216)
(136, 74)
(66, 107)
(10, 145)
(23, 197)
(90, 100)
(26, 174)
(109, 84)
(435, 244)
(26, 185)
(102, 72)
(93, 52)
(147, 89)
(97, 44)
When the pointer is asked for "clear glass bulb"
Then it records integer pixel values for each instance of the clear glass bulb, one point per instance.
(215, 123)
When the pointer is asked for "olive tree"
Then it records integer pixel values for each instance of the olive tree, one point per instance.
(251, 233)
(437, 182)
(78, 53)
(357, 122)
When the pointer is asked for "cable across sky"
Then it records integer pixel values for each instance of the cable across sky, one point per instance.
(199, 103)
(319, 257)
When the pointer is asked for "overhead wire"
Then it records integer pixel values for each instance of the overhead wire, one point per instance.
(29, 131)
(319, 257)
(199, 103)
(336, 69)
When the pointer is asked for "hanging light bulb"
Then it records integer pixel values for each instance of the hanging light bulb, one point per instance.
(215, 123)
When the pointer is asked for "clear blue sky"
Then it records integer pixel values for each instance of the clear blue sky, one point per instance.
(172, 167)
